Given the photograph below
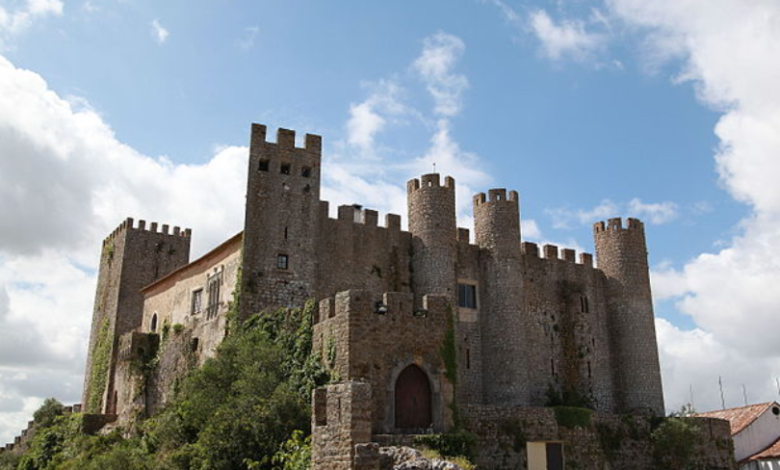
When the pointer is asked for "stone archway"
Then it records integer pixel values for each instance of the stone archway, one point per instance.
(413, 399)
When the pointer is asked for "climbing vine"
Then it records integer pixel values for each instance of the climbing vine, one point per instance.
(449, 355)
(101, 360)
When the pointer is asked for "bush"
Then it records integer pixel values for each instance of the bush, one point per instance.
(675, 440)
(571, 416)
(459, 443)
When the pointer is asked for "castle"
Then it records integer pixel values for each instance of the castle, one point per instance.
(525, 328)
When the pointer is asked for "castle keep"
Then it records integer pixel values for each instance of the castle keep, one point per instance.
(419, 325)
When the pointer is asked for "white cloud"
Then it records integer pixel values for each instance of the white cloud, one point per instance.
(65, 182)
(368, 118)
(364, 158)
(567, 38)
(435, 65)
(17, 21)
(656, 213)
(728, 50)
(159, 33)
(250, 35)
(565, 218)
(530, 230)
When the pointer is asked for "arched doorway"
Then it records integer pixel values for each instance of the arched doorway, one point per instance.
(413, 399)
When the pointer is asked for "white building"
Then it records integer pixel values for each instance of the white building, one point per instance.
(756, 433)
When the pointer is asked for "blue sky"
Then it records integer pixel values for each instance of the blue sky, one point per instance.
(590, 109)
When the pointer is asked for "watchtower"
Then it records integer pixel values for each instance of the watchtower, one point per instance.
(433, 225)
(504, 331)
(621, 253)
(132, 258)
(282, 215)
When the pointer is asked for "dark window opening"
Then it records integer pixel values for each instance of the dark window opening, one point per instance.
(285, 169)
(197, 301)
(154, 323)
(307, 188)
(285, 233)
(467, 296)
(263, 165)
(320, 407)
(306, 172)
(194, 344)
(282, 262)
(468, 358)
(214, 285)
(584, 307)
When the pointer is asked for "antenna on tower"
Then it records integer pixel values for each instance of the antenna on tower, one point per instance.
(777, 381)
(434, 167)
(722, 400)
(744, 393)
(693, 406)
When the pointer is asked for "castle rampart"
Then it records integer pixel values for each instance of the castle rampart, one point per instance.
(498, 324)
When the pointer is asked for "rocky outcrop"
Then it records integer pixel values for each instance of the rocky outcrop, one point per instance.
(406, 458)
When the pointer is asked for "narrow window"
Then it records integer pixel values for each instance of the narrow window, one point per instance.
(282, 262)
(306, 172)
(285, 233)
(214, 284)
(194, 344)
(468, 358)
(467, 295)
(197, 301)
(584, 307)
(285, 168)
(153, 326)
(590, 374)
(263, 165)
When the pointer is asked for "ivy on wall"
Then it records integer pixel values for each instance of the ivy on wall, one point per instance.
(101, 361)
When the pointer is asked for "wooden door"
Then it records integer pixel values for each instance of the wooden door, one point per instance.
(412, 399)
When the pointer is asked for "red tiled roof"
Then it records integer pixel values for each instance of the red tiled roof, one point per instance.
(771, 452)
(739, 418)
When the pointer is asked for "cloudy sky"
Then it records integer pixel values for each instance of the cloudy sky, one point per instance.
(666, 110)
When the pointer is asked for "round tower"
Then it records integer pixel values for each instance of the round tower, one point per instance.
(432, 223)
(504, 330)
(621, 254)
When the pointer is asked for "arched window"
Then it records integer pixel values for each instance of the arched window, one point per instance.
(413, 399)
(153, 326)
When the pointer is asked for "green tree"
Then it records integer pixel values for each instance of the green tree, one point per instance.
(675, 440)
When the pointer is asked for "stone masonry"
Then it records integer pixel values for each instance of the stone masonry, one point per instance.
(418, 323)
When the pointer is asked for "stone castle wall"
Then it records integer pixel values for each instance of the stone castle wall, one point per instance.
(358, 343)
(606, 441)
(131, 258)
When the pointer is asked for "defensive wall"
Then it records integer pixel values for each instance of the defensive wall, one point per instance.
(513, 437)
(370, 337)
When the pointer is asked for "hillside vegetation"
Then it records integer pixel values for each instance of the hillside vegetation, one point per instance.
(248, 408)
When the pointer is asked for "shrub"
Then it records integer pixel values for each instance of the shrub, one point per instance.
(571, 416)
(675, 440)
(459, 443)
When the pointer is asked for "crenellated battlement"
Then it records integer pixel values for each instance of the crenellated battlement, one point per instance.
(551, 252)
(496, 196)
(129, 224)
(285, 139)
(389, 305)
(616, 224)
(356, 214)
(431, 180)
